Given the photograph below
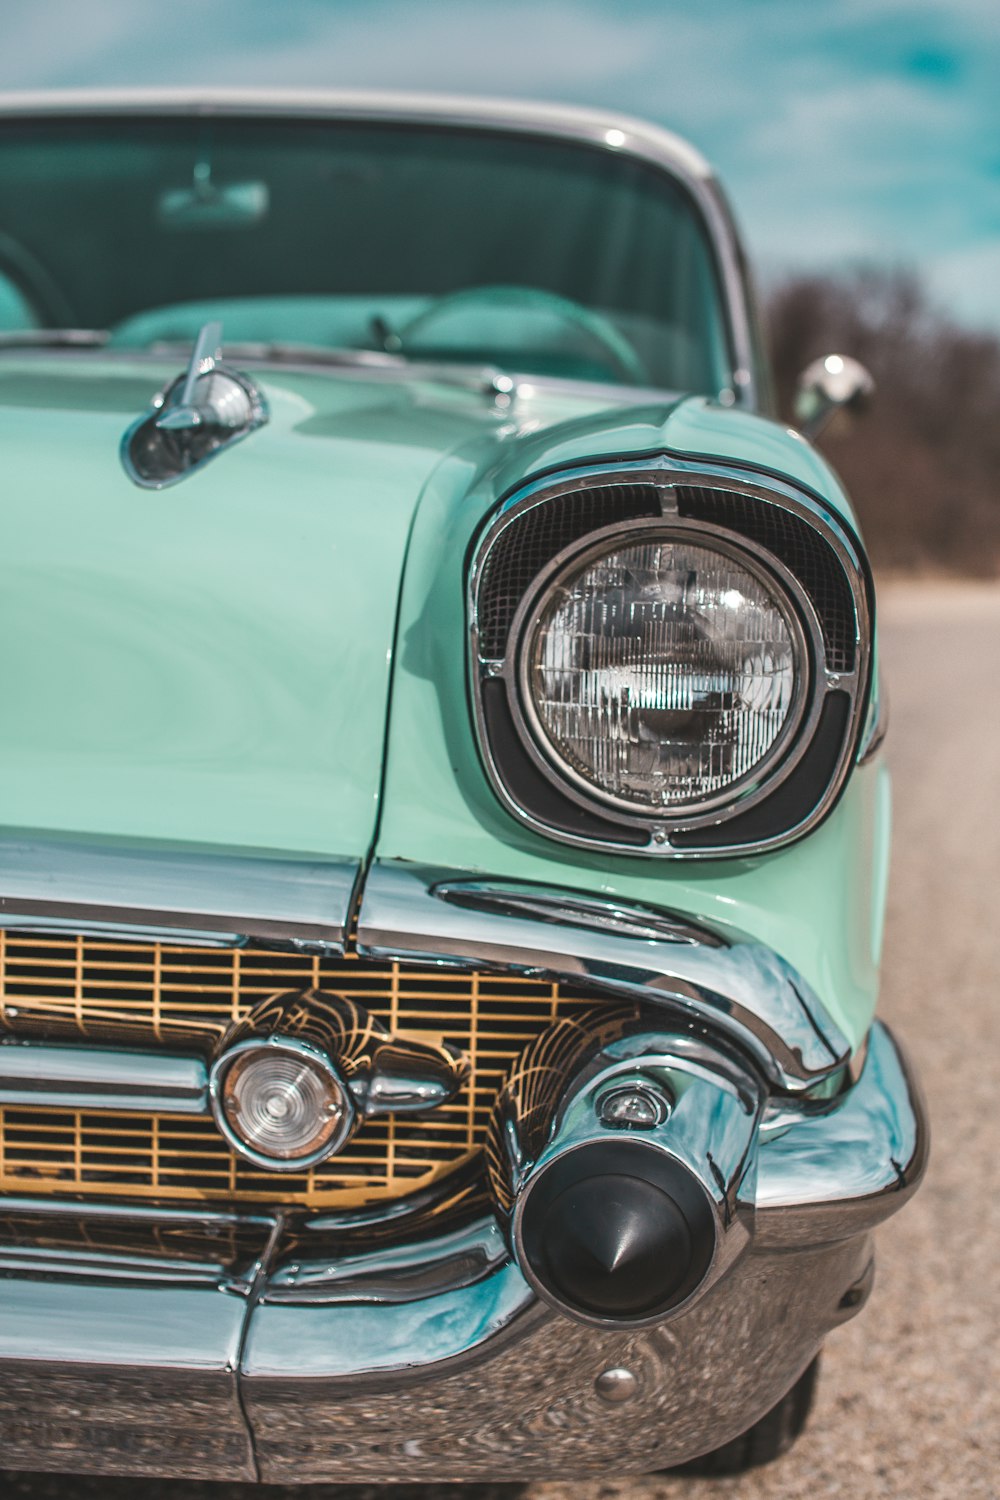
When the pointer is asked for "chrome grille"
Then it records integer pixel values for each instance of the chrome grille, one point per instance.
(185, 996)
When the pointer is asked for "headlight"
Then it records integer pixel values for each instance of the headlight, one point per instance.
(662, 673)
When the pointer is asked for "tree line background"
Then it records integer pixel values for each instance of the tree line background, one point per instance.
(923, 466)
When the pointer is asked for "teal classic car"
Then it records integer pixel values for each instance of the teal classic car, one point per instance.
(444, 836)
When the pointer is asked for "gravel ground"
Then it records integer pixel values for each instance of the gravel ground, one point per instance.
(909, 1399)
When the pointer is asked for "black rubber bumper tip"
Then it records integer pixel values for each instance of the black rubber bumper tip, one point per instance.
(617, 1232)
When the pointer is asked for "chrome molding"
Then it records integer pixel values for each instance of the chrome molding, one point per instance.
(47, 1076)
(837, 1173)
(739, 987)
(429, 1347)
(666, 474)
(400, 1273)
(605, 131)
(135, 891)
(877, 726)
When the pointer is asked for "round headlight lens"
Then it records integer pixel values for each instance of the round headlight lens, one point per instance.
(664, 673)
(283, 1104)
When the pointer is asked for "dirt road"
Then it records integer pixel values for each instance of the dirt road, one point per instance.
(909, 1401)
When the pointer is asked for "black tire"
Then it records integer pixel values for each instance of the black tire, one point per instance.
(767, 1439)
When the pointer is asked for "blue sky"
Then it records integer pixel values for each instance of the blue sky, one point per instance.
(854, 129)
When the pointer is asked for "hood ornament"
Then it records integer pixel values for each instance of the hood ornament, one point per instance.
(203, 411)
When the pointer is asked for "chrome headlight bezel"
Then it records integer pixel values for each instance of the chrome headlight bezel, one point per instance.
(790, 537)
(781, 757)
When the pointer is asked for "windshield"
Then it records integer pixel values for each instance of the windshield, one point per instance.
(436, 243)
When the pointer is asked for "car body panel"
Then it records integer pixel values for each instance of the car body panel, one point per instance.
(439, 808)
(177, 676)
(194, 702)
(244, 807)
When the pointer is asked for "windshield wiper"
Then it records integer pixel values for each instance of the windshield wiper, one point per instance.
(489, 379)
(286, 353)
(55, 338)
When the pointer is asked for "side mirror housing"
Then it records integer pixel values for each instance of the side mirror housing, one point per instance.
(832, 383)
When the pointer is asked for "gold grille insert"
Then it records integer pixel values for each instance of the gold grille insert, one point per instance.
(141, 994)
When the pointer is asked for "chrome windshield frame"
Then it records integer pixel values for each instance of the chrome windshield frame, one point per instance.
(616, 134)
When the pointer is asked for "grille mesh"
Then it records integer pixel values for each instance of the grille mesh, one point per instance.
(795, 543)
(141, 994)
(534, 537)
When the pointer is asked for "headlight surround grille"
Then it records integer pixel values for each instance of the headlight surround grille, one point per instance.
(812, 570)
(661, 669)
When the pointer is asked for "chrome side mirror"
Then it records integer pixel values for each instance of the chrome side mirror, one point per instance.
(833, 383)
(203, 411)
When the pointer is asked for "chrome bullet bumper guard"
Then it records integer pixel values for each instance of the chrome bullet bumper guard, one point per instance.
(293, 1349)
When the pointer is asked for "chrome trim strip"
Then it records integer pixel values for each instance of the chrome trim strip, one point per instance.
(525, 1401)
(405, 1272)
(607, 131)
(727, 982)
(217, 895)
(46, 1076)
(877, 726)
(136, 1210)
(840, 1172)
(389, 1340)
(402, 1357)
(665, 473)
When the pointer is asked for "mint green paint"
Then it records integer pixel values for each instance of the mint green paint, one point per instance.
(812, 902)
(882, 842)
(211, 664)
(208, 663)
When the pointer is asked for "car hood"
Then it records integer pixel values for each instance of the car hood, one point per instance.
(210, 664)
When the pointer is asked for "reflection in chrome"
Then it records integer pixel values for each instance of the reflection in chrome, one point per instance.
(837, 1173)
(135, 892)
(326, 1376)
(737, 986)
(402, 1272)
(549, 1140)
(199, 414)
(50, 1076)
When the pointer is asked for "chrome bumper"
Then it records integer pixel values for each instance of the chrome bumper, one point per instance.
(290, 1350)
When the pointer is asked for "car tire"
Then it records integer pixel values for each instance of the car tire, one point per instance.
(767, 1439)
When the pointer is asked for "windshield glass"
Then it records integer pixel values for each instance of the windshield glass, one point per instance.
(437, 243)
